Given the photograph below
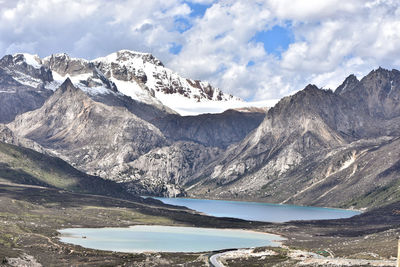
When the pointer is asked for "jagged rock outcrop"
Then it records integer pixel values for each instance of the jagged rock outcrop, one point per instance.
(23, 87)
(349, 83)
(64, 65)
(378, 93)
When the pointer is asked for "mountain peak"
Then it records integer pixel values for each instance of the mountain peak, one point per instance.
(129, 57)
(67, 85)
(349, 83)
(137, 75)
(311, 87)
(64, 56)
(135, 72)
(380, 69)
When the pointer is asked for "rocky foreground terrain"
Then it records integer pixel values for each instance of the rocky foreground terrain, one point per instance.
(31, 216)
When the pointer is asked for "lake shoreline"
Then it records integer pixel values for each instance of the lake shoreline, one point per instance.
(361, 210)
(257, 211)
(167, 239)
(372, 235)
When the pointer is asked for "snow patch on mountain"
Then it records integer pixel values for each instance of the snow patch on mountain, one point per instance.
(77, 81)
(27, 80)
(144, 77)
(32, 60)
(133, 90)
(190, 107)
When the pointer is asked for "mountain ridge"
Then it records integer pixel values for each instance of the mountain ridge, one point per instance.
(311, 148)
(139, 76)
(302, 130)
(66, 122)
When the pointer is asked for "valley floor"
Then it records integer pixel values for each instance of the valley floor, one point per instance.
(31, 215)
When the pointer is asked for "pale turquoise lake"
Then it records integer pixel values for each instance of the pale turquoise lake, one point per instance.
(257, 211)
(191, 239)
(142, 238)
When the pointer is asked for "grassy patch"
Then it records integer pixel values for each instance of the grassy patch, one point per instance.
(377, 197)
(24, 166)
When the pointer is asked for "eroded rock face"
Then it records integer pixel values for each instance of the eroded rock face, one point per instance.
(64, 64)
(177, 162)
(17, 65)
(378, 93)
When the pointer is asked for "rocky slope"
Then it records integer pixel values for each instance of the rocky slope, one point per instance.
(20, 165)
(65, 121)
(111, 142)
(317, 147)
(164, 171)
(23, 86)
(92, 136)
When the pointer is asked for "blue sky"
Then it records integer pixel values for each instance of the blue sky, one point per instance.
(257, 50)
(275, 40)
(198, 10)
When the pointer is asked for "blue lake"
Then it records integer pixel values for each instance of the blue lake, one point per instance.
(257, 211)
(142, 238)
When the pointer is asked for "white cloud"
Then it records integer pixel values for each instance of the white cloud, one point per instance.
(332, 38)
(309, 10)
(203, 2)
(89, 28)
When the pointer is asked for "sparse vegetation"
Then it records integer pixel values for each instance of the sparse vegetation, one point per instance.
(25, 166)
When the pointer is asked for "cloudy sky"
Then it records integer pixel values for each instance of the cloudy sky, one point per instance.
(255, 49)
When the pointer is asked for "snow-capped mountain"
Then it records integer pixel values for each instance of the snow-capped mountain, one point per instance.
(135, 73)
(139, 76)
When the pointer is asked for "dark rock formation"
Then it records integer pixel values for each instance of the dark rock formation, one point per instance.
(215, 130)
